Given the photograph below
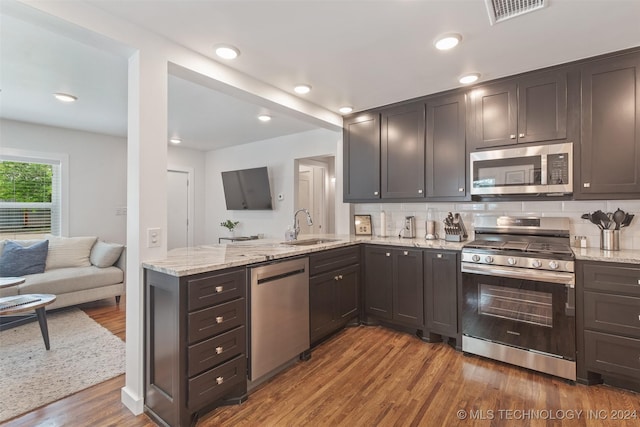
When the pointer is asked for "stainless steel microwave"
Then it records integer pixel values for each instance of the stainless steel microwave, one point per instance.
(541, 169)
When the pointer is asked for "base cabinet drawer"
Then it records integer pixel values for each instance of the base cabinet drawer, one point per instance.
(214, 320)
(612, 278)
(616, 314)
(210, 289)
(212, 385)
(209, 353)
(612, 354)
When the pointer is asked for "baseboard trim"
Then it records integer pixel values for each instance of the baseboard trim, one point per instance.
(132, 401)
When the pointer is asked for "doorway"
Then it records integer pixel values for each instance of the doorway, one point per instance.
(315, 191)
(179, 208)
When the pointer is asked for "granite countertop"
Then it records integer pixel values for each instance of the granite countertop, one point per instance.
(201, 259)
(627, 256)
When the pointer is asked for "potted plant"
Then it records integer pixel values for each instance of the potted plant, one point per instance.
(230, 225)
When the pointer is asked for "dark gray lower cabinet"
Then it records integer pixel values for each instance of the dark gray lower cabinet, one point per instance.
(334, 290)
(393, 285)
(441, 271)
(608, 303)
(195, 344)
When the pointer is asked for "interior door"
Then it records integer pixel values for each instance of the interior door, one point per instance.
(177, 209)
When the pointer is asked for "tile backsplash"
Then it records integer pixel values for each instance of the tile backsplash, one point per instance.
(396, 212)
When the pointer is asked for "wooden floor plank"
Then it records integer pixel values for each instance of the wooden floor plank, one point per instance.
(369, 376)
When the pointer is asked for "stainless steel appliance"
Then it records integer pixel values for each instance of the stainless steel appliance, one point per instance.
(279, 315)
(541, 169)
(409, 229)
(518, 285)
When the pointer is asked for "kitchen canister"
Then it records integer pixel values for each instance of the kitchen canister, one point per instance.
(610, 240)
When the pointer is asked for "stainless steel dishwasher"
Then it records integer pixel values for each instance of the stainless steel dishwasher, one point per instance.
(279, 314)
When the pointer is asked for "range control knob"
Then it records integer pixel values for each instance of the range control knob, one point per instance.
(488, 259)
(553, 265)
(512, 261)
(475, 258)
(536, 263)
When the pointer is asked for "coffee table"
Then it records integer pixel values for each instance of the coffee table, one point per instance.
(21, 303)
(6, 282)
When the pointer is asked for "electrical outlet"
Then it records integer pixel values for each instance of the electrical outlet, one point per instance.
(154, 237)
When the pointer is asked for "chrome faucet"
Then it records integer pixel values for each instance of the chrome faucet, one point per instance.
(293, 233)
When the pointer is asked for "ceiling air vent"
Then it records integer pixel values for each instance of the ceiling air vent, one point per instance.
(500, 10)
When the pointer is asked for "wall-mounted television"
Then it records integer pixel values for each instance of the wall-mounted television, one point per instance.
(247, 189)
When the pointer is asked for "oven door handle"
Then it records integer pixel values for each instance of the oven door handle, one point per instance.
(562, 278)
(570, 306)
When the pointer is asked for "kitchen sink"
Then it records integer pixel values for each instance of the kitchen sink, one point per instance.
(308, 242)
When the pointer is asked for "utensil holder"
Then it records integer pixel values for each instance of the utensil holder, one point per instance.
(610, 240)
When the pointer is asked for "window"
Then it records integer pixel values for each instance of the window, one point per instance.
(29, 197)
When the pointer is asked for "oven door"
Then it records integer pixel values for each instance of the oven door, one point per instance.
(503, 306)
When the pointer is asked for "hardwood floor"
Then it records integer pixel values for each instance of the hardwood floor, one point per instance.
(372, 376)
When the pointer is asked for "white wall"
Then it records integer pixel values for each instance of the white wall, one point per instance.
(184, 158)
(278, 155)
(395, 213)
(97, 172)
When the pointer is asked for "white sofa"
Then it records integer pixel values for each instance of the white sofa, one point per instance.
(78, 270)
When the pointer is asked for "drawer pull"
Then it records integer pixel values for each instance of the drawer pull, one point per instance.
(219, 319)
(219, 350)
(512, 136)
(439, 255)
(340, 276)
(336, 278)
(219, 289)
(521, 135)
(406, 253)
(388, 254)
(219, 380)
(638, 281)
(586, 185)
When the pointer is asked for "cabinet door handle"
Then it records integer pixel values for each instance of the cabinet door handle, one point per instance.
(336, 278)
(219, 380)
(219, 319)
(388, 254)
(586, 185)
(521, 135)
(406, 253)
(419, 191)
(219, 350)
(512, 136)
(219, 289)
(439, 256)
(461, 190)
(375, 193)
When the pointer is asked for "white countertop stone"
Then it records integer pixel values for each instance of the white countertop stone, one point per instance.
(201, 259)
(627, 256)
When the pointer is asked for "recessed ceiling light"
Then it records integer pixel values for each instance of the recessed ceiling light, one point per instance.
(264, 117)
(345, 110)
(469, 78)
(227, 51)
(302, 89)
(447, 41)
(175, 140)
(65, 97)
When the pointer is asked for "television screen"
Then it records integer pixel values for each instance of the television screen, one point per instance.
(247, 189)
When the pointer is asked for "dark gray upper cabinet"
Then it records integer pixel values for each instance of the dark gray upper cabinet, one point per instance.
(531, 108)
(361, 136)
(402, 155)
(610, 130)
(445, 148)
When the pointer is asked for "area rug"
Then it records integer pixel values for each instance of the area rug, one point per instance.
(82, 354)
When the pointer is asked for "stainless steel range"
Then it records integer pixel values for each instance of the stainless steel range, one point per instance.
(518, 286)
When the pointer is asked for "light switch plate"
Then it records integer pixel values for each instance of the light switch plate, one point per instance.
(154, 237)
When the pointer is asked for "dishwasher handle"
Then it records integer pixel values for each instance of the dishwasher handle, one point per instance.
(273, 278)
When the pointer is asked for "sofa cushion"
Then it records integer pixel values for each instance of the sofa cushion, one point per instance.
(64, 280)
(17, 260)
(105, 254)
(69, 251)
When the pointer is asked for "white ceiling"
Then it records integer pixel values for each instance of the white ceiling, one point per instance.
(359, 53)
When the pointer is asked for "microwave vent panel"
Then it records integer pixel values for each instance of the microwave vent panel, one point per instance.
(500, 10)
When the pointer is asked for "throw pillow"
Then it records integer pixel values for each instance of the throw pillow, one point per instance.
(69, 251)
(105, 254)
(17, 260)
